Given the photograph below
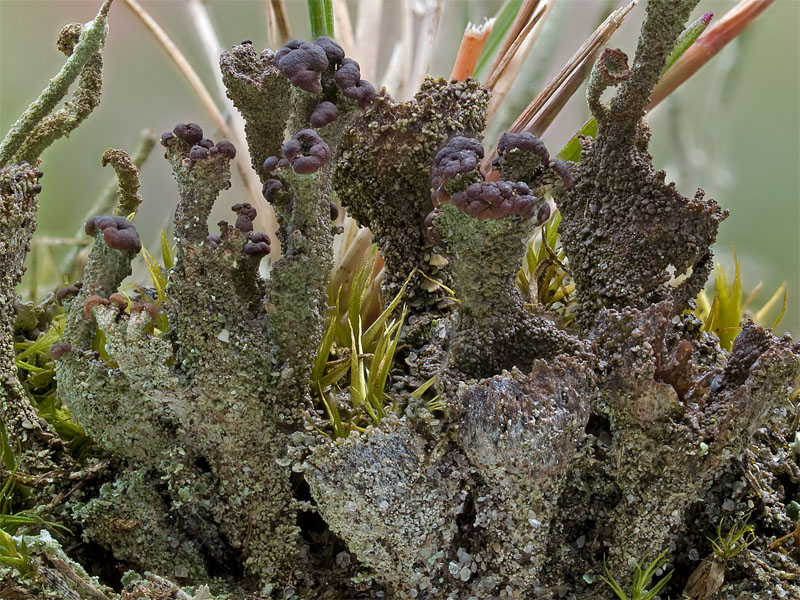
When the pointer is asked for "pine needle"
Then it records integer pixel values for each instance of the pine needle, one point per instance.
(519, 29)
(527, 17)
(504, 76)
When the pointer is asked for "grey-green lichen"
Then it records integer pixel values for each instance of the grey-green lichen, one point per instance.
(128, 198)
(492, 328)
(19, 187)
(484, 228)
(515, 430)
(383, 175)
(219, 467)
(394, 499)
(619, 206)
(545, 451)
(130, 517)
(51, 574)
(262, 95)
(36, 128)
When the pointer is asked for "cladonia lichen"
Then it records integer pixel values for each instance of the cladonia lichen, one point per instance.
(518, 458)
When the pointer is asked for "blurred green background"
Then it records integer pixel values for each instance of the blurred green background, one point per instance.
(733, 129)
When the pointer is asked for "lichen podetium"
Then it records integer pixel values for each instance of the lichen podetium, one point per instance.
(510, 455)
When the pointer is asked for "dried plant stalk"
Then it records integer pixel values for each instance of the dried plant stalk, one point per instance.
(504, 76)
(507, 54)
(368, 35)
(518, 27)
(282, 19)
(469, 52)
(183, 65)
(567, 81)
(343, 26)
(429, 28)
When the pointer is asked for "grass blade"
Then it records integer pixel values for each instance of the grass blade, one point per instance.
(334, 376)
(324, 350)
(6, 452)
(374, 329)
(417, 393)
(687, 38)
(167, 254)
(572, 150)
(761, 315)
(320, 16)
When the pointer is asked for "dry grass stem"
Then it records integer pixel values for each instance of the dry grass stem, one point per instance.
(581, 62)
(368, 36)
(397, 73)
(183, 65)
(350, 256)
(422, 59)
(341, 243)
(282, 20)
(469, 52)
(556, 93)
(513, 50)
(510, 65)
(707, 45)
(272, 30)
(518, 29)
(343, 27)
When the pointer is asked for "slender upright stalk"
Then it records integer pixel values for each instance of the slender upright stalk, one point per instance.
(92, 39)
(320, 14)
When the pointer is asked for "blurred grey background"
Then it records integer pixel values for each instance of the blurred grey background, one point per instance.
(733, 128)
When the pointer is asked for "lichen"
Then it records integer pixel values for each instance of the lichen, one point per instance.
(19, 187)
(383, 175)
(394, 501)
(619, 206)
(128, 198)
(200, 460)
(128, 516)
(517, 458)
(39, 126)
(492, 329)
